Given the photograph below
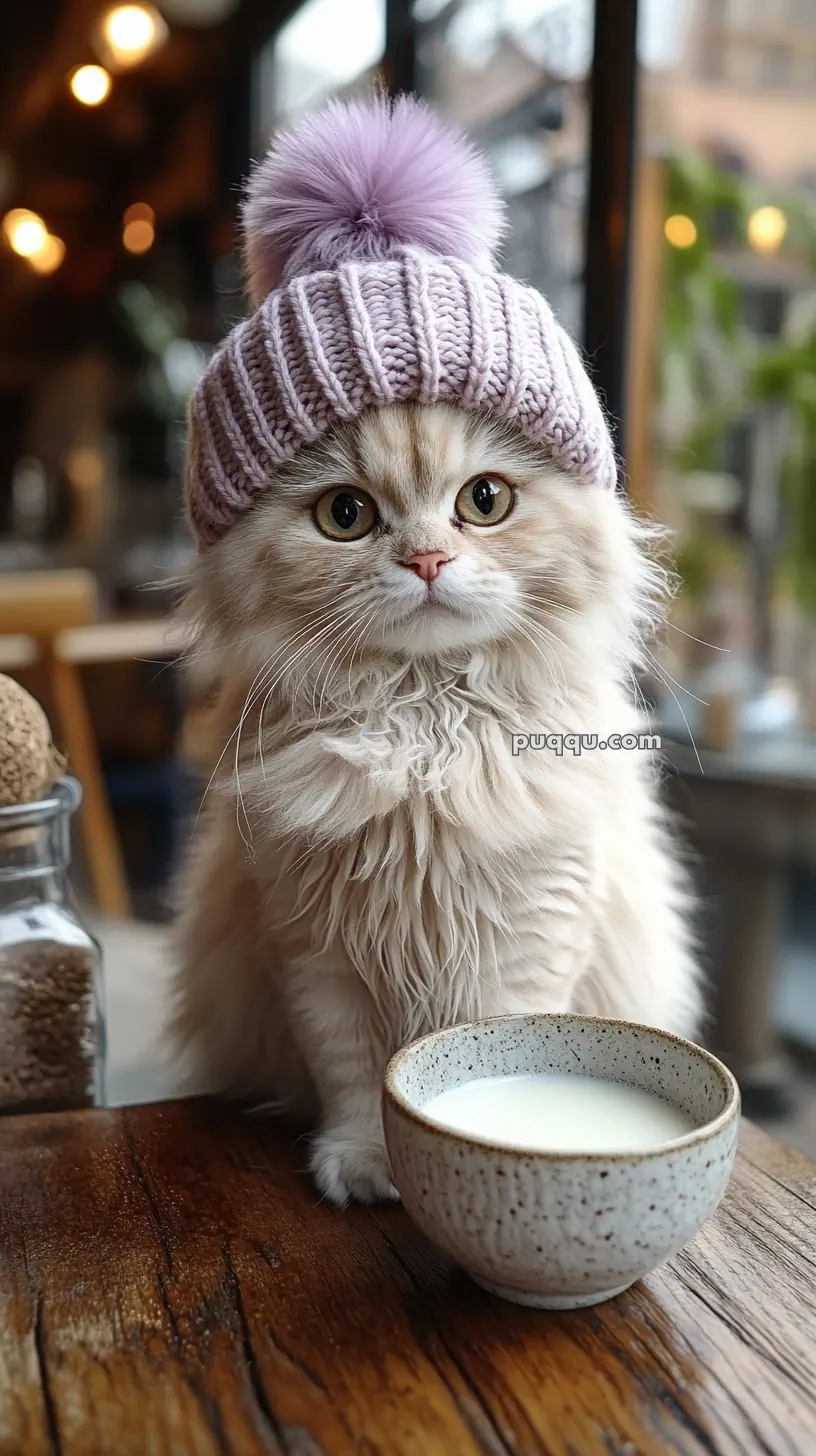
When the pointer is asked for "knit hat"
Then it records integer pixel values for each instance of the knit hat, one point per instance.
(371, 232)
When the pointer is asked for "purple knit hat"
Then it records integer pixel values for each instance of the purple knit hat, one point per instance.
(370, 231)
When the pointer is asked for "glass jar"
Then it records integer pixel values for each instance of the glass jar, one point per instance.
(52, 1038)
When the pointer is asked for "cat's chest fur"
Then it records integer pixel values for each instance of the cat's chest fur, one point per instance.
(436, 756)
(403, 832)
(428, 841)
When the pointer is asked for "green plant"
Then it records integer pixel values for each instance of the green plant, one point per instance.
(711, 361)
(787, 374)
(703, 339)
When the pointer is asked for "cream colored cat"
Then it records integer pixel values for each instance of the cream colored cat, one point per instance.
(373, 859)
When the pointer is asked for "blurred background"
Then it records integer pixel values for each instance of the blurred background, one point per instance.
(659, 164)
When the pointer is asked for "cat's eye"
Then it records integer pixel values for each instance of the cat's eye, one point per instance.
(484, 501)
(345, 513)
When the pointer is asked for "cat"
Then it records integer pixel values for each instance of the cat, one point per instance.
(377, 856)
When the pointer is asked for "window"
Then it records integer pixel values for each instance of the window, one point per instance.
(513, 73)
(315, 54)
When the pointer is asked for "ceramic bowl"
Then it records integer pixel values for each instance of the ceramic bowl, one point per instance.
(552, 1229)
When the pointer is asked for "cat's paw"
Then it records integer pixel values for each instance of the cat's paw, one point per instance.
(348, 1166)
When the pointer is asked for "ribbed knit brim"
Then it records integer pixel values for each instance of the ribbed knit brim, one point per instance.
(327, 346)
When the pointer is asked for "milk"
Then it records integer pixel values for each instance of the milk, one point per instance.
(559, 1112)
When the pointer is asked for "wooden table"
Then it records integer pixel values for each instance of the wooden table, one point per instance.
(169, 1288)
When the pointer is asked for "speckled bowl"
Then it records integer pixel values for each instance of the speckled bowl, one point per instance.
(559, 1230)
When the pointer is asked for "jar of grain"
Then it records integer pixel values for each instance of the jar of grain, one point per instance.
(51, 1022)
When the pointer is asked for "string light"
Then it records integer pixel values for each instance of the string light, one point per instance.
(25, 232)
(49, 258)
(138, 235)
(680, 230)
(90, 85)
(128, 34)
(766, 229)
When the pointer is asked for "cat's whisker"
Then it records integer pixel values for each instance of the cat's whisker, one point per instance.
(223, 753)
(685, 720)
(667, 677)
(334, 642)
(325, 618)
(550, 661)
(556, 607)
(361, 630)
(363, 636)
(516, 610)
(635, 649)
(249, 702)
(640, 698)
(337, 624)
(713, 645)
(341, 628)
(260, 674)
(334, 617)
(220, 644)
(652, 623)
(335, 646)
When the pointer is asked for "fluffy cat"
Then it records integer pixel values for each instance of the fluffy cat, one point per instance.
(373, 861)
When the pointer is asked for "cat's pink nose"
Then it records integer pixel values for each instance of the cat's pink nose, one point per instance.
(427, 564)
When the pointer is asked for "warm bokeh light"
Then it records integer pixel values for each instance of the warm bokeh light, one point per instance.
(138, 235)
(680, 230)
(85, 467)
(48, 259)
(766, 229)
(25, 232)
(139, 212)
(130, 33)
(90, 84)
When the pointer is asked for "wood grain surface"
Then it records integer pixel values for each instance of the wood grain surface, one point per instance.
(168, 1287)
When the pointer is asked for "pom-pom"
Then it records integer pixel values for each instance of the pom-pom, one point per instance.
(361, 179)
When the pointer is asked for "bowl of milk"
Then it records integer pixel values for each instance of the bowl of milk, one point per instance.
(559, 1158)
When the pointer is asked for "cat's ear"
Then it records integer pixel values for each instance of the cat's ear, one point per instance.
(361, 179)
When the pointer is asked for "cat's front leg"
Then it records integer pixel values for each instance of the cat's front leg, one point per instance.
(332, 1018)
(541, 959)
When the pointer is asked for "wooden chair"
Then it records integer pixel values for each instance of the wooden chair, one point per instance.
(43, 606)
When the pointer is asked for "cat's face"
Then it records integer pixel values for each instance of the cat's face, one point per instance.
(417, 529)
